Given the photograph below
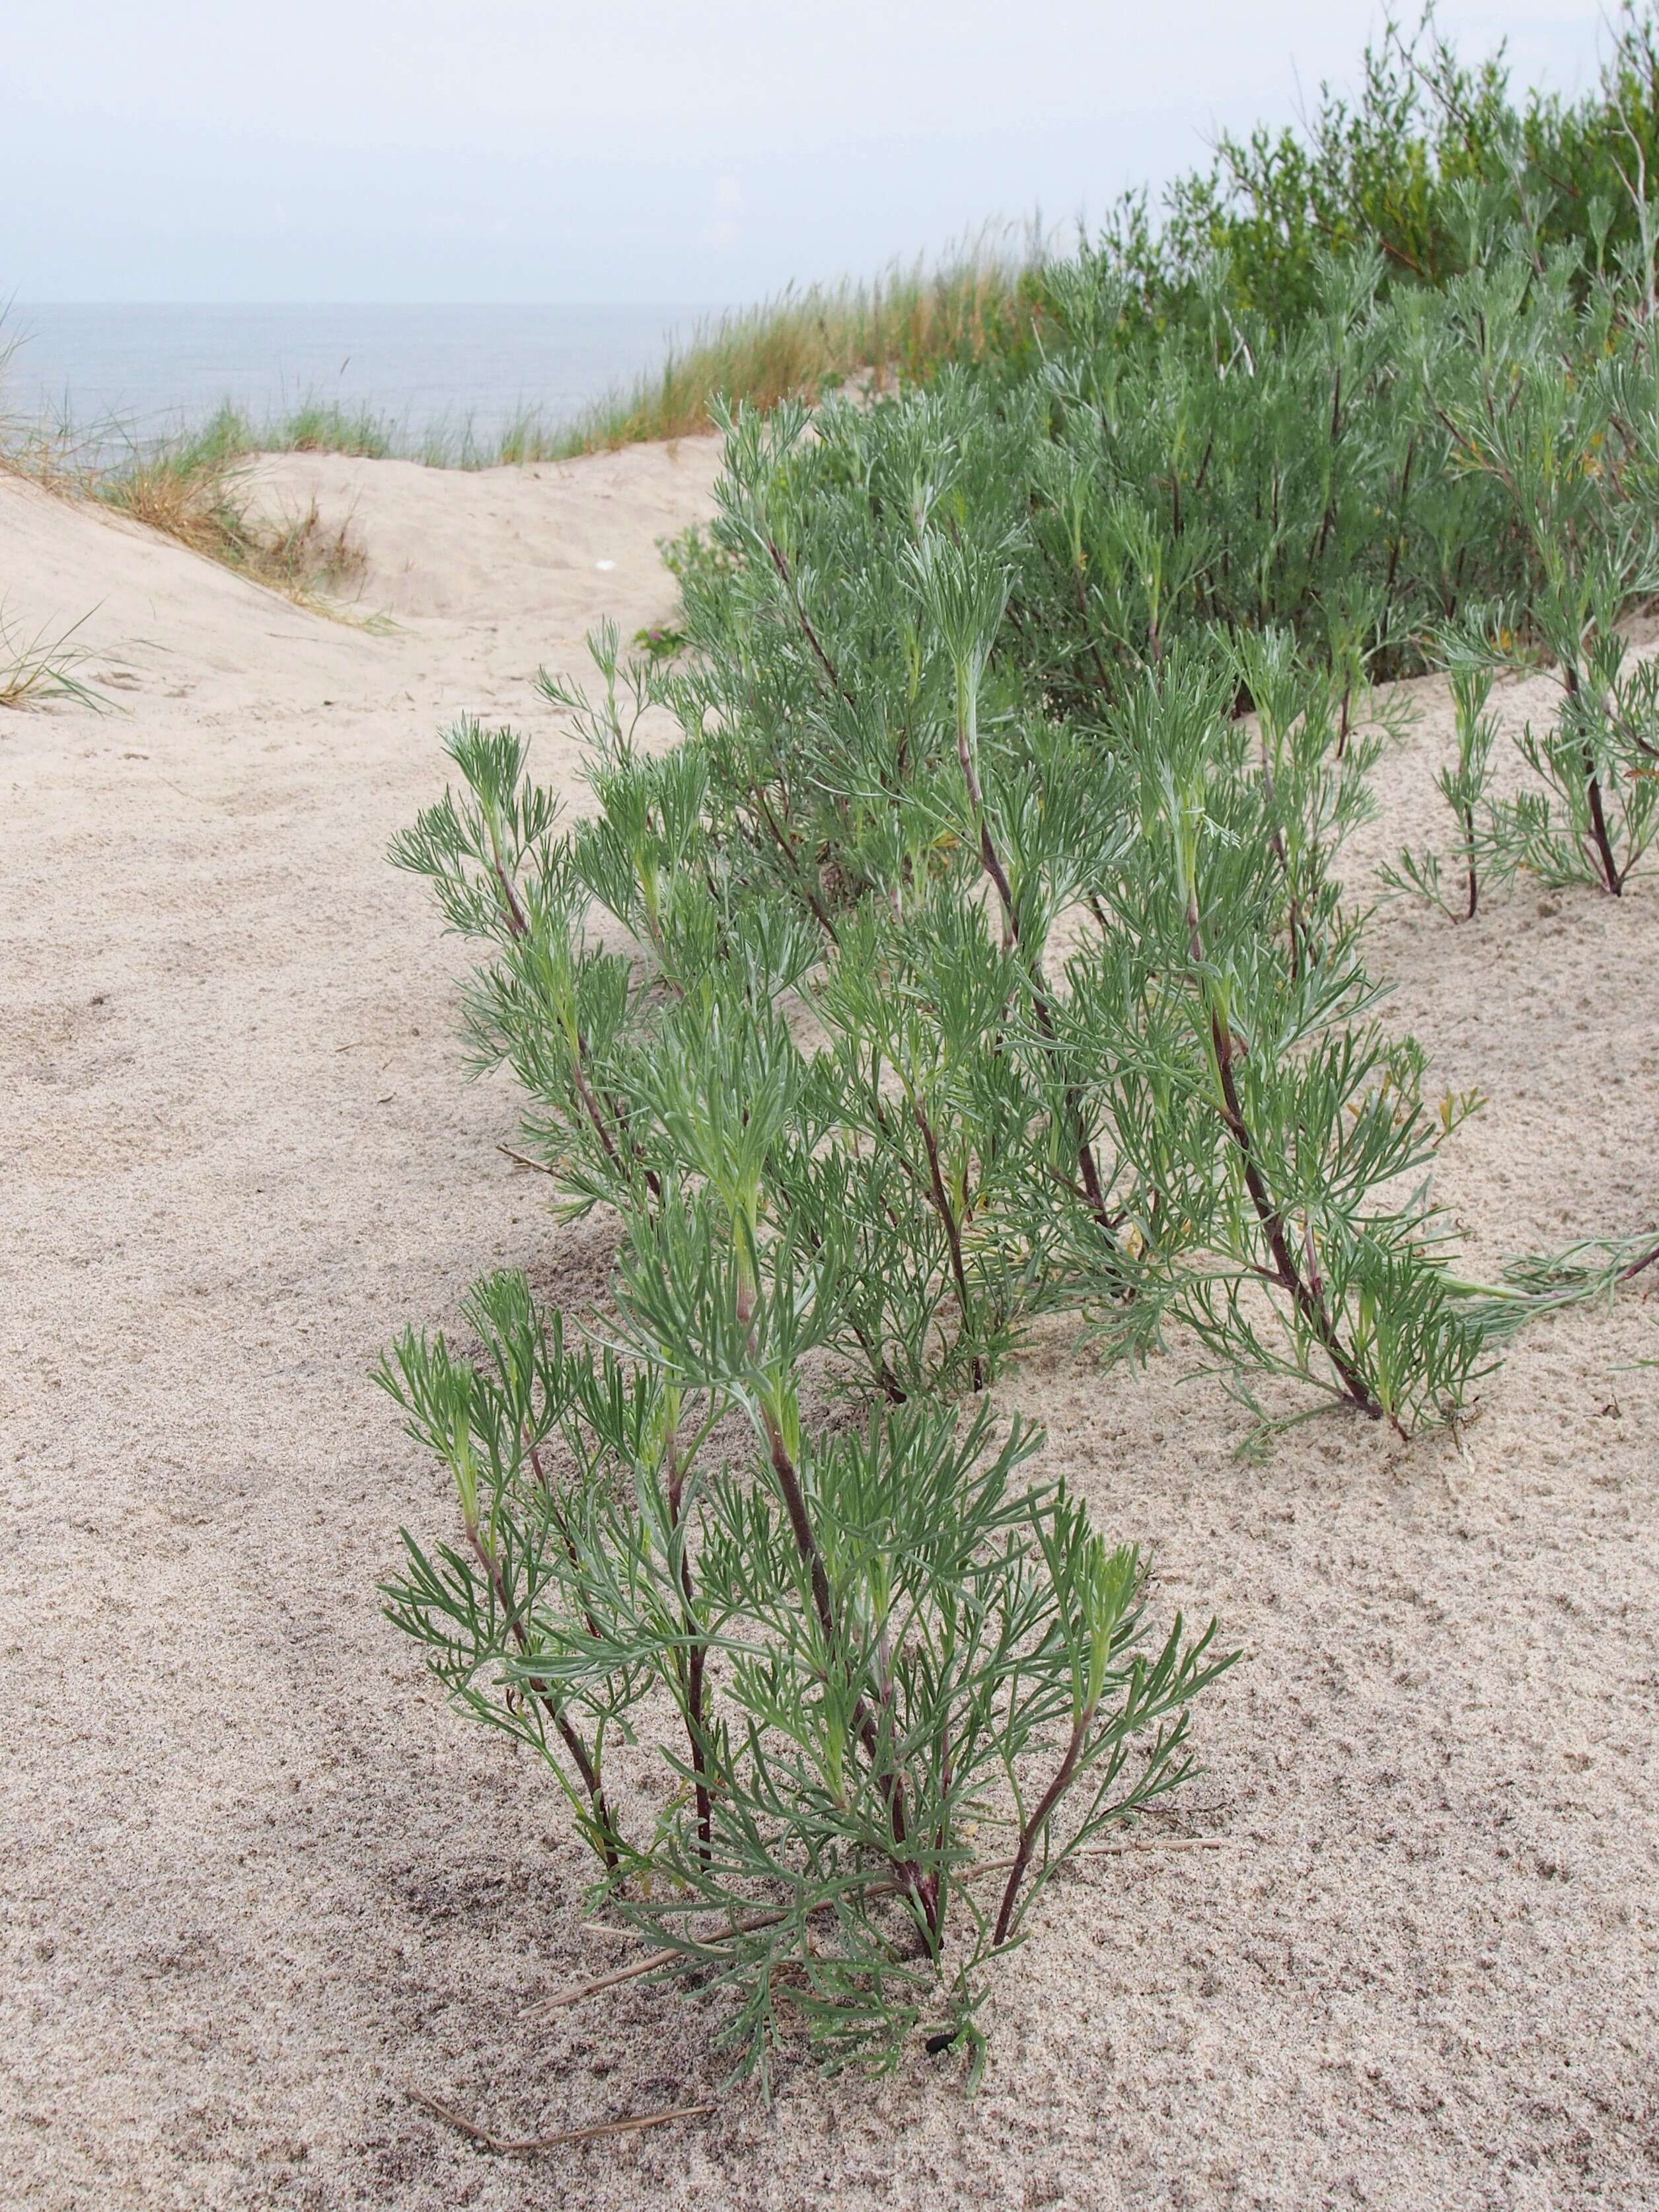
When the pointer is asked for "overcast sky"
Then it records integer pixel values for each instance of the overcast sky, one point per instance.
(651, 150)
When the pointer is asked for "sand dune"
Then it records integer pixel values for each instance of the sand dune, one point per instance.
(504, 546)
(151, 613)
(482, 575)
(258, 1880)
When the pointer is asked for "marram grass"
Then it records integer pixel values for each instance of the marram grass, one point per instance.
(902, 327)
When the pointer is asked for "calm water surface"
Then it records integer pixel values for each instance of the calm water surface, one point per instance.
(139, 372)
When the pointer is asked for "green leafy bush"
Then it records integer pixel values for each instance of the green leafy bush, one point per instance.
(856, 1666)
(879, 1644)
(1556, 406)
(981, 954)
(1429, 163)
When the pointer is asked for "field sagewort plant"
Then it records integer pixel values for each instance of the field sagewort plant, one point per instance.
(980, 953)
(873, 1689)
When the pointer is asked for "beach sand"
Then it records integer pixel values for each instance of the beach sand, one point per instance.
(258, 1881)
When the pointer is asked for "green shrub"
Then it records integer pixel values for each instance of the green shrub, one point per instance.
(1426, 168)
(982, 953)
(879, 1644)
(854, 1665)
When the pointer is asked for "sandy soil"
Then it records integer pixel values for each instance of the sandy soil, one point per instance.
(257, 1879)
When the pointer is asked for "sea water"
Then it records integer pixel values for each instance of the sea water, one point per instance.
(134, 373)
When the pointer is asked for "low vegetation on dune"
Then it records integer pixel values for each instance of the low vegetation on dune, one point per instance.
(905, 326)
(982, 955)
(196, 490)
(41, 665)
(1419, 169)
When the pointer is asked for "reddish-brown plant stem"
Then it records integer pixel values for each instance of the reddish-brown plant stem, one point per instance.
(1610, 872)
(869, 1734)
(1088, 1168)
(812, 636)
(1038, 1819)
(547, 1698)
(794, 1504)
(1308, 1301)
(517, 924)
(947, 1213)
(1611, 877)
(696, 1660)
(785, 846)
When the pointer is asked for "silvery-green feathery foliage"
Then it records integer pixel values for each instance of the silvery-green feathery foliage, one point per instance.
(980, 953)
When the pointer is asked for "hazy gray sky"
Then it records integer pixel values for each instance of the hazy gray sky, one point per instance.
(699, 150)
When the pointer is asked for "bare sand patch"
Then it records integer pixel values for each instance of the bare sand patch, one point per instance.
(258, 1878)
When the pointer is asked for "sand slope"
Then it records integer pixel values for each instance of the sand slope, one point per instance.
(256, 1878)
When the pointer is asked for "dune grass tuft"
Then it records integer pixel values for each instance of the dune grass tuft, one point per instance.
(204, 507)
(902, 326)
(318, 426)
(315, 426)
(803, 345)
(43, 452)
(195, 490)
(41, 666)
